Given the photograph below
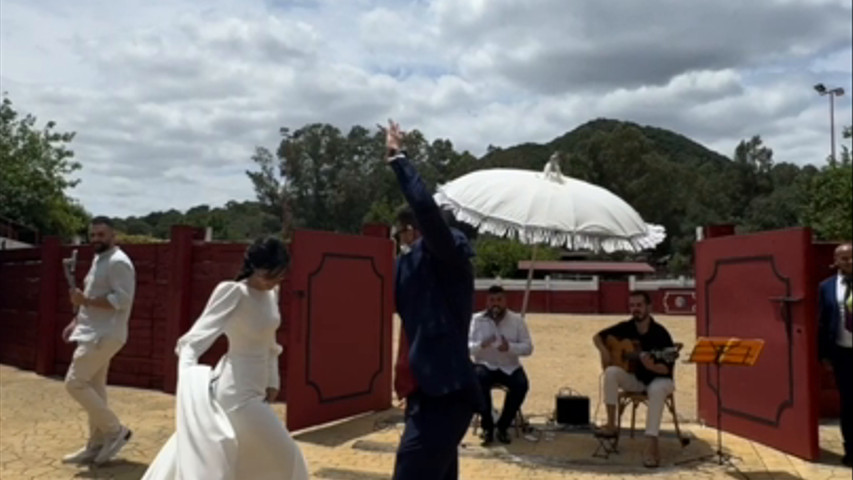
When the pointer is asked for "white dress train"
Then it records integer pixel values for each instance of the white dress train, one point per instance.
(224, 429)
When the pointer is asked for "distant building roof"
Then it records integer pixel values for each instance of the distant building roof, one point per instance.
(588, 267)
(16, 231)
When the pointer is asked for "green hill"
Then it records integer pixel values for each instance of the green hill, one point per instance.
(334, 182)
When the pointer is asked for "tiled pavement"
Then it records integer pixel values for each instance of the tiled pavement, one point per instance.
(39, 423)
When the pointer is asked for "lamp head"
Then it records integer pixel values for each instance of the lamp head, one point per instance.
(820, 88)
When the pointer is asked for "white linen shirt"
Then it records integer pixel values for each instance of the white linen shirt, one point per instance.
(112, 276)
(843, 338)
(512, 328)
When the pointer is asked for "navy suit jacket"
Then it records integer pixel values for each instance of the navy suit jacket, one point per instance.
(434, 293)
(829, 315)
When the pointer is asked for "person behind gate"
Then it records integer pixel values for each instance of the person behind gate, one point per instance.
(434, 294)
(835, 334)
(498, 338)
(651, 376)
(100, 331)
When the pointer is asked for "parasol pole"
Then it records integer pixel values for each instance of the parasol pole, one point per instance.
(529, 281)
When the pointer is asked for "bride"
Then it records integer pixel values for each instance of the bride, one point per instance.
(225, 427)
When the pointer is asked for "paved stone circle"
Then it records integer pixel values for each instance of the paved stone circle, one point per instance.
(39, 423)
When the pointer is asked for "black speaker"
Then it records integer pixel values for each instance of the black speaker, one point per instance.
(572, 408)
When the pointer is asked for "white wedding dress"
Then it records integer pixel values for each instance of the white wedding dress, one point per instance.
(224, 429)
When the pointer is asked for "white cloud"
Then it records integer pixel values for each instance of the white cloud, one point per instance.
(169, 98)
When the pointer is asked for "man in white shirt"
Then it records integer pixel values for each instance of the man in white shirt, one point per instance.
(498, 338)
(100, 331)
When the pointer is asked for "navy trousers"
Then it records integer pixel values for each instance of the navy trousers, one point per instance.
(842, 366)
(429, 449)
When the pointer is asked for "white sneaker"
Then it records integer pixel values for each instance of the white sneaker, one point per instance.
(86, 454)
(113, 445)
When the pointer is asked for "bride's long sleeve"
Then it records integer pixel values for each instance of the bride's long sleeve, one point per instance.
(273, 379)
(209, 326)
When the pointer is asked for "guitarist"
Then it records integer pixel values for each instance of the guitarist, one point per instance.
(650, 376)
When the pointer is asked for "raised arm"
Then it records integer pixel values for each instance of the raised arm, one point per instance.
(436, 234)
(209, 326)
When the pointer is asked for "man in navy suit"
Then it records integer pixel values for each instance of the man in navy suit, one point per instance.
(434, 292)
(835, 333)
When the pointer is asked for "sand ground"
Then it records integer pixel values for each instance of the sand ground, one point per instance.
(39, 423)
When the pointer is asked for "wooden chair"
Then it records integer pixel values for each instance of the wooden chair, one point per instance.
(635, 399)
(519, 423)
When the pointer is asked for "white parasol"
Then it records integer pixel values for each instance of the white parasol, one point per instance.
(547, 208)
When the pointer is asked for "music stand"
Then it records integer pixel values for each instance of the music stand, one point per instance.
(721, 351)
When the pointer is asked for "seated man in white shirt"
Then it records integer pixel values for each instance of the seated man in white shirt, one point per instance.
(498, 338)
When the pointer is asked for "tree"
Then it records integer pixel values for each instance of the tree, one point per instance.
(321, 178)
(269, 188)
(35, 173)
(830, 207)
(753, 162)
(499, 257)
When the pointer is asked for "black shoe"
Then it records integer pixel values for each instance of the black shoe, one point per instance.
(503, 437)
(488, 437)
(847, 461)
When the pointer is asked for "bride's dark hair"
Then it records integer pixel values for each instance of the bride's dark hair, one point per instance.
(267, 253)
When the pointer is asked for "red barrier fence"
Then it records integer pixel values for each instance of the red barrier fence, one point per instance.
(174, 280)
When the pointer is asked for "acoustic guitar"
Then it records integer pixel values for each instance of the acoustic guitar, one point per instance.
(625, 353)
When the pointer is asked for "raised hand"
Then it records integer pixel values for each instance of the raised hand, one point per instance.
(393, 137)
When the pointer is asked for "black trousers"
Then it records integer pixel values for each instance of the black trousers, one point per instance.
(429, 449)
(842, 366)
(517, 387)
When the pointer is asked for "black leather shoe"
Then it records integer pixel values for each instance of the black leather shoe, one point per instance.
(488, 438)
(503, 437)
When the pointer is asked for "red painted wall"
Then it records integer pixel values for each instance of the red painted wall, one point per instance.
(611, 298)
(174, 281)
(34, 312)
(20, 282)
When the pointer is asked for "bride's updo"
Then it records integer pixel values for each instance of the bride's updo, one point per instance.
(268, 253)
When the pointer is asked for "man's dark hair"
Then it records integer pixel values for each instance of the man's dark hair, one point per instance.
(102, 220)
(406, 217)
(639, 293)
(496, 289)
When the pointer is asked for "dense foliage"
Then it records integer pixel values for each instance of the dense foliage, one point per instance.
(320, 177)
(35, 175)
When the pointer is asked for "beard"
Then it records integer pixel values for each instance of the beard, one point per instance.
(101, 247)
(497, 312)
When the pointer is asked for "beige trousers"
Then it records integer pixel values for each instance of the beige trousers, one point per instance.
(86, 382)
(660, 388)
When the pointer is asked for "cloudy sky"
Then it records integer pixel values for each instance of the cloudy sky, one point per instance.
(170, 97)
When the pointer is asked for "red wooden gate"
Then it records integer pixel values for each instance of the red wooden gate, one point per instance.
(339, 304)
(762, 286)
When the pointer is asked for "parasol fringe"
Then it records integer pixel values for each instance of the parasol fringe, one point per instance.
(654, 235)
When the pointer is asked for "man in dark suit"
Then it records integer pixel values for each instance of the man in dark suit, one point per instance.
(835, 333)
(434, 293)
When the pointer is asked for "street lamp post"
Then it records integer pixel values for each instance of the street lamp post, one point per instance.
(835, 92)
